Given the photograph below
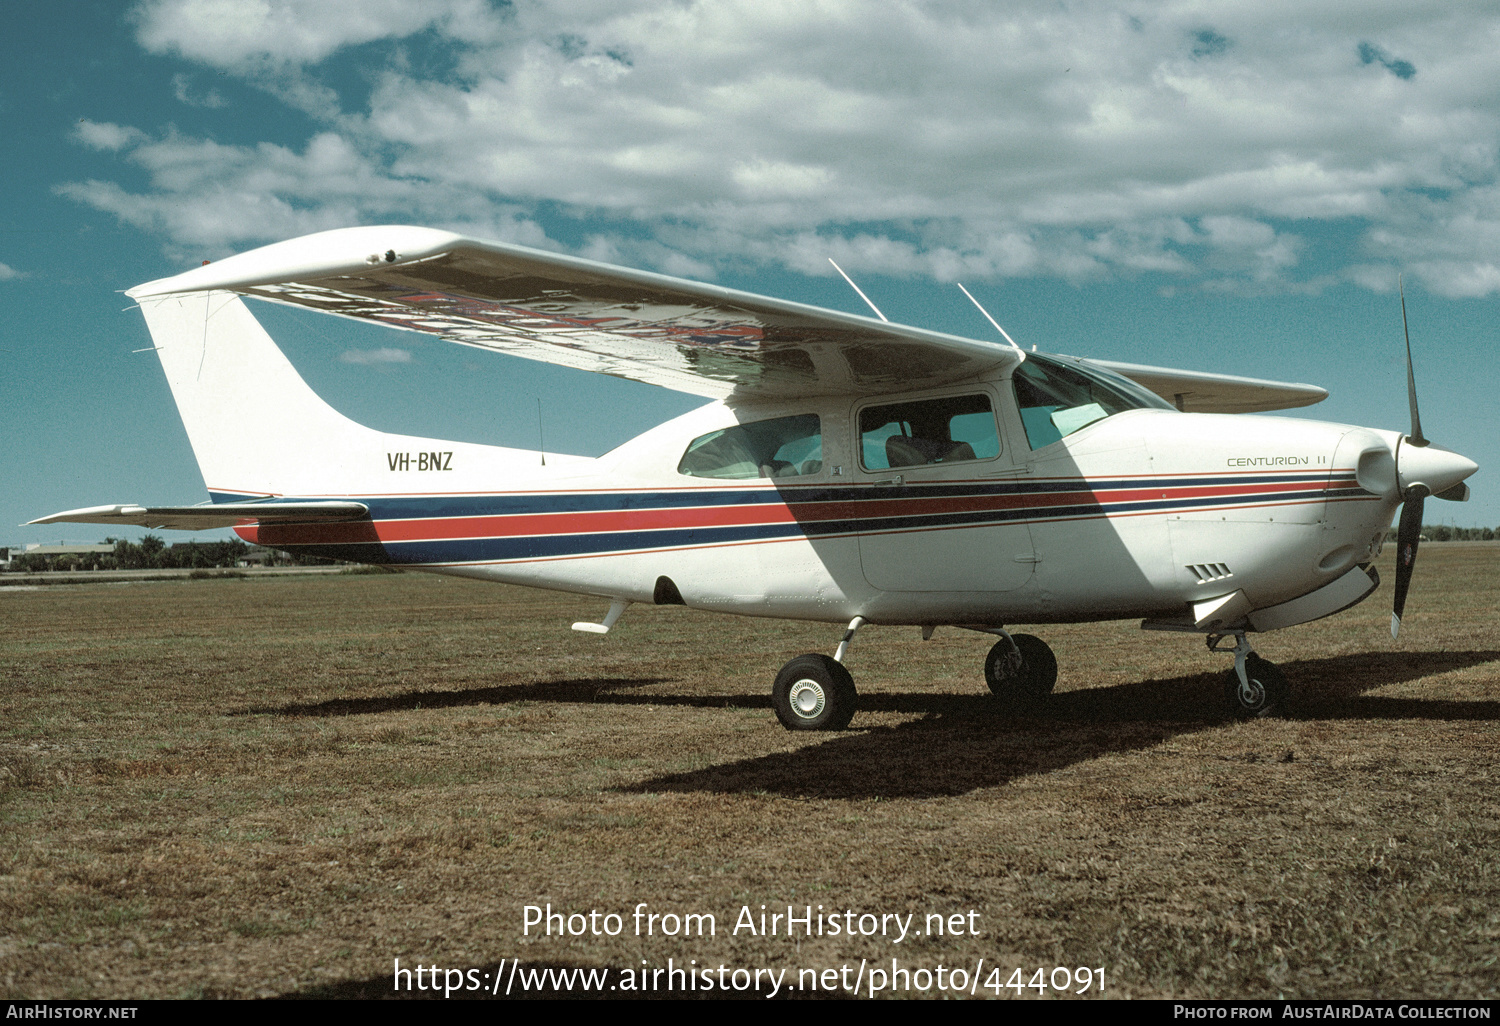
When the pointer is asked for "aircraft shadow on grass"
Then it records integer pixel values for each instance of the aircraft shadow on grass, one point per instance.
(599, 689)
(966, 742)
(1334, 688)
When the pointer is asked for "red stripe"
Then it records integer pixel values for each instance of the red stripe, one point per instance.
(609, 521)
(530, 524)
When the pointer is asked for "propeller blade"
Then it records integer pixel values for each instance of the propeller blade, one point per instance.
(1411, 381)
(1407, 537)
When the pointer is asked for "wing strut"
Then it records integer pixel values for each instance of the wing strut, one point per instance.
(861, 292)
(987, 315)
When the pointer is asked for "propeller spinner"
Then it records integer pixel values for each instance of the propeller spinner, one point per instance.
(1422, 469)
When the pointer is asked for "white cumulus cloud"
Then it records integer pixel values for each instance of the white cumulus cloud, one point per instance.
(105, 135)
(182, 88)
(240, 33)
(1205, 144)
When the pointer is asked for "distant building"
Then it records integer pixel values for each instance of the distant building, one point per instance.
(44, 557)
(69, 550)
(257, 556)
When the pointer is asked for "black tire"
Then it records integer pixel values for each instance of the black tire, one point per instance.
(1267, 693)
(814, 692)
(1035, 678)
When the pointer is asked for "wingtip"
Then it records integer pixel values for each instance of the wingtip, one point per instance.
(71, 515)
(339, 251)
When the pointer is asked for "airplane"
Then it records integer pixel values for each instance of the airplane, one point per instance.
(846, 470)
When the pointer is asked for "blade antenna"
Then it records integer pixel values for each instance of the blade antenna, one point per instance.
(541, 443)
(856, 288)
(987, 315)
(1411, 381)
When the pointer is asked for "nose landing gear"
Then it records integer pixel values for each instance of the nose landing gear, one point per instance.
(1254, 688)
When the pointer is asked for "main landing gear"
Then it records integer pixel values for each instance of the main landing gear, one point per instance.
(816, 692)
(1020, 668)
(1255, 687)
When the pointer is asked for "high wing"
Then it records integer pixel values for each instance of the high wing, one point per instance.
(691, 337)
(688, 336)
(1201, 392)
(206, 518)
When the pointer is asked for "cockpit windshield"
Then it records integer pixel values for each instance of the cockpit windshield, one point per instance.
(1059, 396)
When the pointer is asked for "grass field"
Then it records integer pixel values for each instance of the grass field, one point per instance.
(262, 787)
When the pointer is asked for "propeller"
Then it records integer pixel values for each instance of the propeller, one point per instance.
(1409, 533)
(1422, 469)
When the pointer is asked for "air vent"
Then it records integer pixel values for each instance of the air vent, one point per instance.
(1210, 571)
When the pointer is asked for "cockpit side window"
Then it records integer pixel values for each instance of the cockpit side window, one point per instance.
(1057, 398)
(783, 447)
(951, 429)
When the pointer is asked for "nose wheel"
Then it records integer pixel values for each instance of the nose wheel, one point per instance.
(1255, 688)
(1263, 692)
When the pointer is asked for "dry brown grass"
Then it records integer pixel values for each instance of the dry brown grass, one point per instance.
(258, 787)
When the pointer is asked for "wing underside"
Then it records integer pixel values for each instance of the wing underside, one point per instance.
(1202, 392)
(695, 338)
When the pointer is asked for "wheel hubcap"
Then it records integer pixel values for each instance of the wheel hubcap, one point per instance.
(1252, 695)
(807, 698)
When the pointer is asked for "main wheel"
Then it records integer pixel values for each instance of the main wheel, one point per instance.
(814, 692)
(1266, 694)
(1032, 680)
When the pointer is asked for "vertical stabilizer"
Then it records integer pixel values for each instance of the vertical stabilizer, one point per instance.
(256, 427)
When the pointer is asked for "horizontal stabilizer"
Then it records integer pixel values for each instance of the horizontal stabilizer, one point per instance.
(1203, 392)
(207, 518)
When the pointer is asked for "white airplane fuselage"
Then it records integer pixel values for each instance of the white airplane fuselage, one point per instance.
(1141, 514)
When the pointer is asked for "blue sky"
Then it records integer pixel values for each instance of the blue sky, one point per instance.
(1232, 188)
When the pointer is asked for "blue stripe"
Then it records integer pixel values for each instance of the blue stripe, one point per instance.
(467, 550)
(442, 506)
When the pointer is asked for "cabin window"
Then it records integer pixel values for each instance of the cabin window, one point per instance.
(953, 429)
(1057, 398)
(784, 447)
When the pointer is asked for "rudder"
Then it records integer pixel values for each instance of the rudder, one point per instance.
(257, 428)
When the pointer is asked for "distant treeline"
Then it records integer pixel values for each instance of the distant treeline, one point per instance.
(150, 554)
(1442, 532)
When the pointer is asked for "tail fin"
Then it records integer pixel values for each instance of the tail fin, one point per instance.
(257, 428)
